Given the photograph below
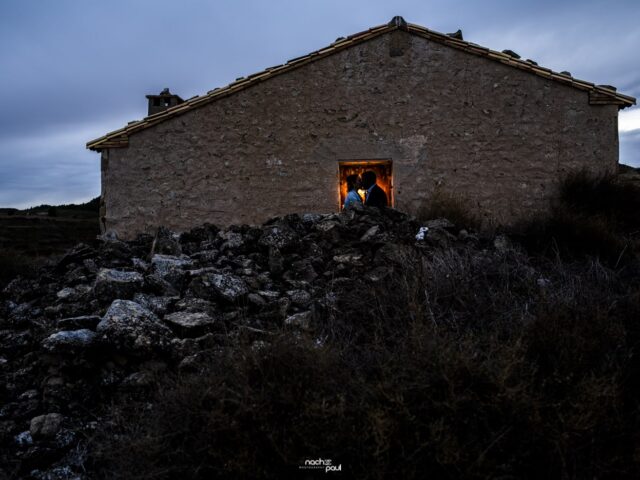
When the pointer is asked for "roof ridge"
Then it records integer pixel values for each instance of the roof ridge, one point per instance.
(598, 94)
(527, 64)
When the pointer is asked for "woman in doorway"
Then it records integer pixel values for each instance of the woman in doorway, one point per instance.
(353, 198)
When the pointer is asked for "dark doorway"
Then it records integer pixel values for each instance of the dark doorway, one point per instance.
(382, 168)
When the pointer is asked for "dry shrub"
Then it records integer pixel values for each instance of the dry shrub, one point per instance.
(253, 414)
(442, 204)
(574, 236)
(594, 216)
(615, 200)
(457, 366)
(462, 363)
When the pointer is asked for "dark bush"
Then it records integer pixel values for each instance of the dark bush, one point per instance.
(471, 361)
(460, 370)
(445, 205)
(616, 201)
(592, 217)
(13, 263)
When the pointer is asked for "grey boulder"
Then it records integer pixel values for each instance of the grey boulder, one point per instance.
(111, 284)
(227, 287)
(299, 297)
(189, 323)
(131, 328)
(69, 341)
(45, 426)
(171, 268)
(158, 305)
(279, 236)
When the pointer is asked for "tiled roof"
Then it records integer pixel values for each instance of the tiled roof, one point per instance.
(598, 94)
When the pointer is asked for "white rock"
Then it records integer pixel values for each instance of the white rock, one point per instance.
(422, 233)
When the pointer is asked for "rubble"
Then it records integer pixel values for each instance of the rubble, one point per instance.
(111, 284)
(301, 320)
(99, 321)
(45, 426)
(189, 323)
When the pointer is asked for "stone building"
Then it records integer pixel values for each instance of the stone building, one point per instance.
(429, 112)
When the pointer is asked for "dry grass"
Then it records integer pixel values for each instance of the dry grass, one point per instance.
(14, 263)
(446, 205)
(469, 368)
(597, 217)
(464, 363)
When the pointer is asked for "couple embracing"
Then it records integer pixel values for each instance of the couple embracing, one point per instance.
(374, 195)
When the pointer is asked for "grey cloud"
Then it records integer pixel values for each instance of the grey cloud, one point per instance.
(73, 179)
(49, 167)
(70, 67)
(630, 148)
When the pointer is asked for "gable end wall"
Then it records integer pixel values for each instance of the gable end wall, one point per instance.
(496, 136)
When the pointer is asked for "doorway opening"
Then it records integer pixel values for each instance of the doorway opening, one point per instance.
(382, 168)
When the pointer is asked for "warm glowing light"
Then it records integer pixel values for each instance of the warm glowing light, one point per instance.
(382, 168)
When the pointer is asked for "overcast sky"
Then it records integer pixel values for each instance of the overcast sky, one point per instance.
(73, 70)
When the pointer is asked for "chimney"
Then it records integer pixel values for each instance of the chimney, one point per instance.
(399, 22)
(166, 99)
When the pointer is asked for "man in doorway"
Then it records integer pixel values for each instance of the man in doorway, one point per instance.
(374, 196)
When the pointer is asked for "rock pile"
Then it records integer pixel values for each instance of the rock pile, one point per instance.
(108, 319)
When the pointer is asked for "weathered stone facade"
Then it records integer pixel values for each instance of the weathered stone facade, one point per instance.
(497, 136)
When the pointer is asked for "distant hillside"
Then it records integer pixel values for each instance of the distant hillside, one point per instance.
(623, 168)
(28, 237)
(89, 209)
(629, 174)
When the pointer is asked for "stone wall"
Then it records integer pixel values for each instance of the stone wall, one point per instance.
(497, 136)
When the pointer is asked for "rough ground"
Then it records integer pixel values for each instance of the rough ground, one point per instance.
(108, 319)
(103, 323)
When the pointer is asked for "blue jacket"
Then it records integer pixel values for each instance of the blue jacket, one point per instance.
(352, 198)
